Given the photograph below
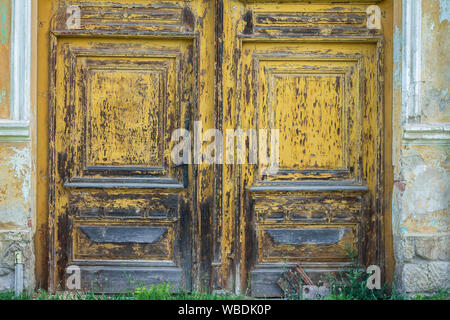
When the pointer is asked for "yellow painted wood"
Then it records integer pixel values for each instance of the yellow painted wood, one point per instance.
(323, 90)
(314, 72)
(115, 102)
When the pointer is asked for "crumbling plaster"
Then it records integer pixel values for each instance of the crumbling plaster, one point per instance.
(17, 210)
(421, 148)
(435, 99)
(16, 216)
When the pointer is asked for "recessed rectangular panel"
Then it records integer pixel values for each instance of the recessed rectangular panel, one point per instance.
(118, 242)
(124, 17)
(118, 234)
(5, 53)
(125, 120)
(308, 108)
(325, 243)
(127, 103)
(309, 20)
(312, 104)
(299, 18)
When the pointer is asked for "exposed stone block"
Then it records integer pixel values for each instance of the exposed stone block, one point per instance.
(408, 249)
(426, 277)
(433, 248)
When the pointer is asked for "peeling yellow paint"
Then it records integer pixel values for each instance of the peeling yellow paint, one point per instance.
(221, 238)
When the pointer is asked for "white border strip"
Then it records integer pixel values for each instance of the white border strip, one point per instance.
(20, 59)
(17, 127)
(412, 60)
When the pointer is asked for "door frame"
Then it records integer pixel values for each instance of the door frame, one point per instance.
(208, 201)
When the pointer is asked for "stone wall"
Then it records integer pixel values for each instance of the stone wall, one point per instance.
(421, 153)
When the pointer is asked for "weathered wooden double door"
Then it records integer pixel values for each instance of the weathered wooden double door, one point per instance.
(126, 74)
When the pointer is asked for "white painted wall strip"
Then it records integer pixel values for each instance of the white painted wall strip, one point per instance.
(412, 60)
(17, 127)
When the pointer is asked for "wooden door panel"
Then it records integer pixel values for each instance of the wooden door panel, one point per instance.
(314, 98)
(115, 230)
(132, 135)
(312, 71)
(134, 71)
(306, 242)
(124, 109)
(122, 210)
(308, 207)
(315, 94)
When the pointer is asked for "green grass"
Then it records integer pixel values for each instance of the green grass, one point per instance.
(44, 295)
(350, 287)
(167, 292)
(162, 291)
(443, 294)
